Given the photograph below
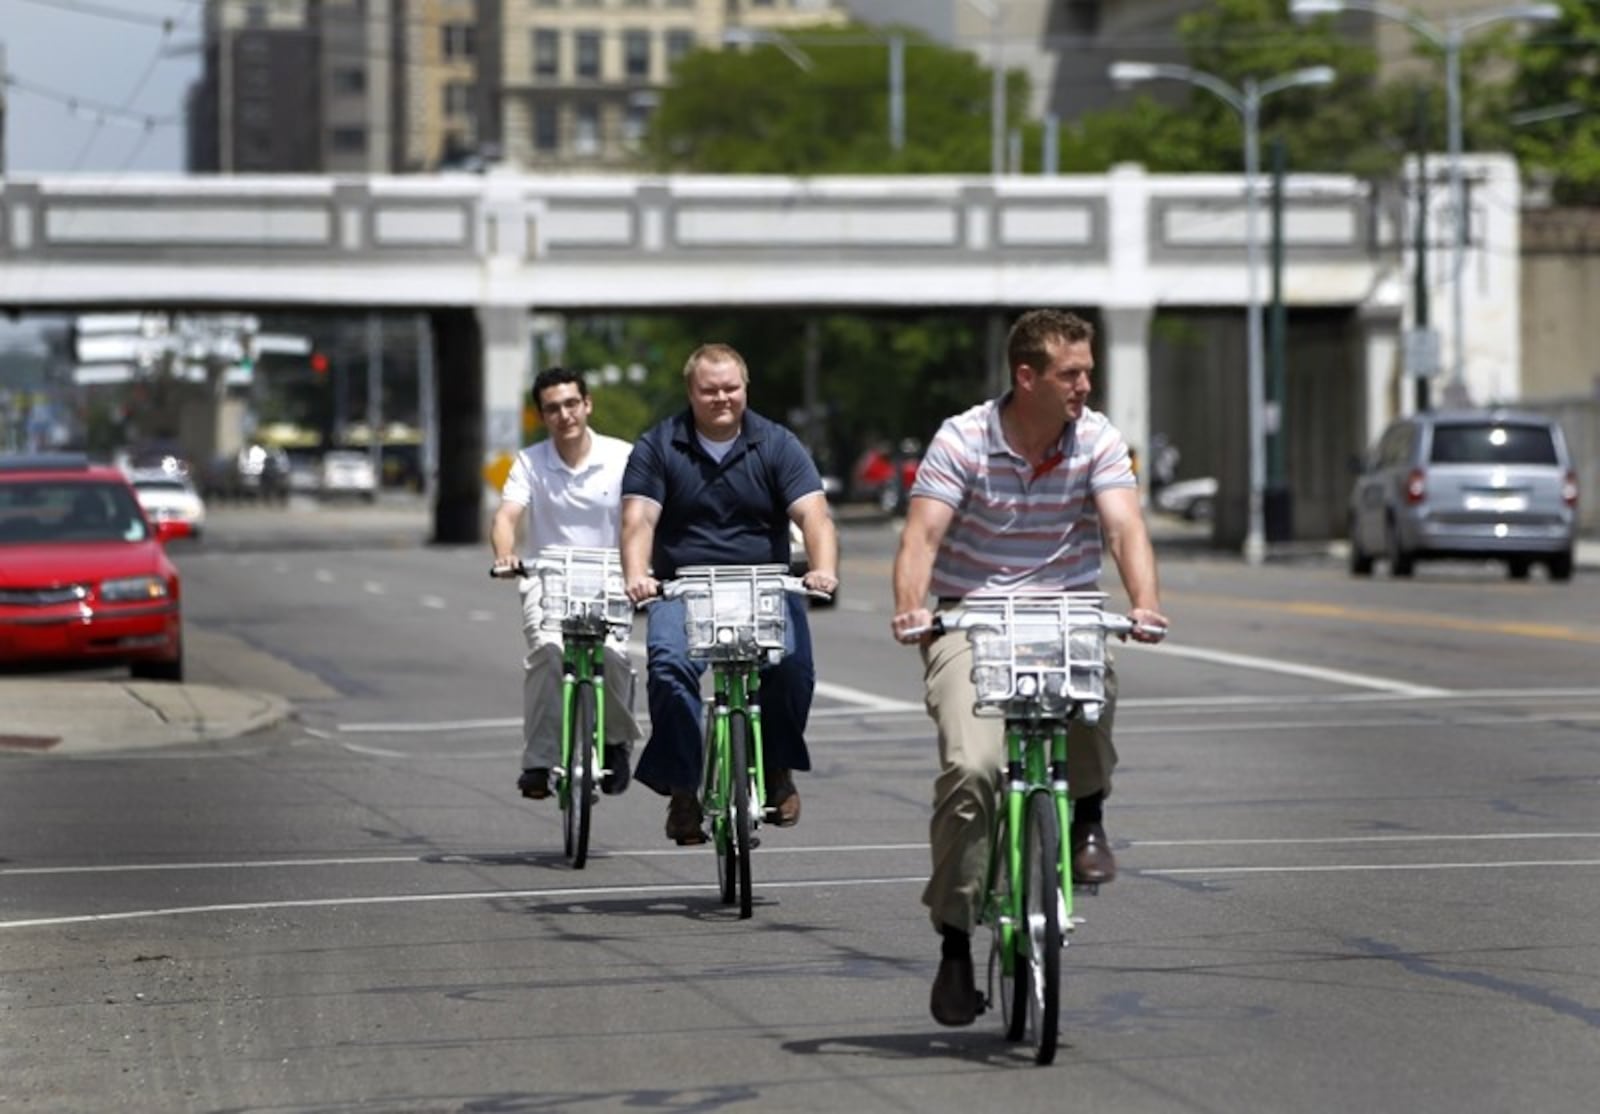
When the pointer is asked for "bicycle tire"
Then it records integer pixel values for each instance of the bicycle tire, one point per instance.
(580, 776)
(739, 802)
(712, 795)
(1007, 958)
(1040, 944)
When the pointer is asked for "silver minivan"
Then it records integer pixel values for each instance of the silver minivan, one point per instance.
(1466, 483)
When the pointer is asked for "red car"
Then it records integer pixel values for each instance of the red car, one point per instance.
(84, 576)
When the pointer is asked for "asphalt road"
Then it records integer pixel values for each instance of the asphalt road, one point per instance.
(1359, 826)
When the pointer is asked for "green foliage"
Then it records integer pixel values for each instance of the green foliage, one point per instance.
(756, 111)
(1560, 67)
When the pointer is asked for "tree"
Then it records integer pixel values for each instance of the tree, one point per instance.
(1351, 127)
(1558, 70)
(757, 111)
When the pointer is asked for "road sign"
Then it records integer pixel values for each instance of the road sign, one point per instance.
(1422, 352)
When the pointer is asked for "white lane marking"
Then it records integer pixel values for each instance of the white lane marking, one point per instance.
(372, 587)
(863, 700)
(1292, 669)
(443, 858)
(323, 576)
(376, 752)
(1353, 868)
(481, 616)
(417, 899)
(434, 602)
(1408, 838)
(244, 864)
(425, 728)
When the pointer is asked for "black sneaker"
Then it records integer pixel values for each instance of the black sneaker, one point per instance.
(535, 784)
(955, 1000)
(619, 773)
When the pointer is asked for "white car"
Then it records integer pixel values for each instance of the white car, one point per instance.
(347, 472)
(1195, 500)
(170, 497)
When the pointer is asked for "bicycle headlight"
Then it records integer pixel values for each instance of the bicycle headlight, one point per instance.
(131, 588)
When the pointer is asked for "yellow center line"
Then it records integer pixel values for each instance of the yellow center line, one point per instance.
(1389, 617)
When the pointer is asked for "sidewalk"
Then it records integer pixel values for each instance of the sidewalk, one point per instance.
(45, 715)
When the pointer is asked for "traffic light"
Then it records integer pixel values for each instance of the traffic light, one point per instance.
(319, 363)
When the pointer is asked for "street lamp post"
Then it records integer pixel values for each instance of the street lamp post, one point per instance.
(1247, 103)
(1448, 39)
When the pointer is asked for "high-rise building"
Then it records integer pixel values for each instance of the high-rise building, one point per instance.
(578, 79)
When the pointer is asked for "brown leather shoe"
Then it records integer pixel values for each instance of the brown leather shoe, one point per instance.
(685, 822)
(955, 996)
(783, 798)
(1092, 860)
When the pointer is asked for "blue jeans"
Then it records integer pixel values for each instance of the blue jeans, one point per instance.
(672, 758)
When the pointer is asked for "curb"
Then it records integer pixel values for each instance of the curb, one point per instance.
(45, 716)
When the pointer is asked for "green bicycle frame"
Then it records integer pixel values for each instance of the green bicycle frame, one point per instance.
(583, 658)
(734, 689)
(1036, 759)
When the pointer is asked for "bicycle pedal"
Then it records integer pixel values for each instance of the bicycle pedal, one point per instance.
(983, 1003)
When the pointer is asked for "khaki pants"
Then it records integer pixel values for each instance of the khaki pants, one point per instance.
(966, 794)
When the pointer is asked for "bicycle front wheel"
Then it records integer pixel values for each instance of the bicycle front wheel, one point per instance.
(1040, 943)
(739, 803)
(580, 775)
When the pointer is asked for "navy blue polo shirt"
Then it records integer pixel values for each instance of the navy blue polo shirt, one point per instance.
(732, 513)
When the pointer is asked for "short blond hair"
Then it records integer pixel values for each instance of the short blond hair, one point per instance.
(716, 354)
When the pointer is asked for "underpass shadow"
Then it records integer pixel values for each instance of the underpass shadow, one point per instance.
(976, 1045)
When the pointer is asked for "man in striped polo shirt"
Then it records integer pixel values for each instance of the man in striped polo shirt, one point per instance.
(1024, 492)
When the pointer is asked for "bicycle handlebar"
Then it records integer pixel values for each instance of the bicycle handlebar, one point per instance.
(960, 618)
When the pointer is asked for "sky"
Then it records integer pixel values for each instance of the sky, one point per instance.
(115, 54)
(110, 53)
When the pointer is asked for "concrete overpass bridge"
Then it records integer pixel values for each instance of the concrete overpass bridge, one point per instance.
(479, 254)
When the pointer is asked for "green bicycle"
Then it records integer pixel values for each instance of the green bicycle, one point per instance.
(584, 600)
(736, 617)
(1039, 661)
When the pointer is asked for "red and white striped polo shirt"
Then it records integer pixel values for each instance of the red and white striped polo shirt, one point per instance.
(1019, 527)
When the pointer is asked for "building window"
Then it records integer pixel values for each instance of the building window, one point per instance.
(350, 82)
(680, 41)
(586, 54)
(636, 53)
(586, 128)
(348, 141)
(546, 53)
(459, 40)
(255, 15)
(458, 99)
(636, 121)
(546, 127)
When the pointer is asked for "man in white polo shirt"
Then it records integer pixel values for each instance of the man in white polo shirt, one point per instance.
(567, 490)
(1021, 493)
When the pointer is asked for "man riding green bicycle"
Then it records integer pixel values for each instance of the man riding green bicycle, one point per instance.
(1022, 493)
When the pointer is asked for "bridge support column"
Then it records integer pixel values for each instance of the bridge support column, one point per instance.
(1126, 377)
(484, 357)
(1380, 333)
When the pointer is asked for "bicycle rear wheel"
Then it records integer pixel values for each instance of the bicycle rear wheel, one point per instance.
(580, 776)
(739, 802)
(1039, 945)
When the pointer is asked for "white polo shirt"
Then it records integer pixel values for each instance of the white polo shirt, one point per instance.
(570, 506)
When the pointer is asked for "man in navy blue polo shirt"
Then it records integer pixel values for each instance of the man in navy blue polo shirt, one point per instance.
(717, 485)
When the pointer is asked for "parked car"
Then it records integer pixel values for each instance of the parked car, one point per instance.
(84, 577)
(1469, 483)
(1195, 500)
(170, 497)
(348, 472)
(258, 472)
(885, 477)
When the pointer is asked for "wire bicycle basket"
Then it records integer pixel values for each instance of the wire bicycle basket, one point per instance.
(582, 590)
(1038, 656)
(734, 612)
